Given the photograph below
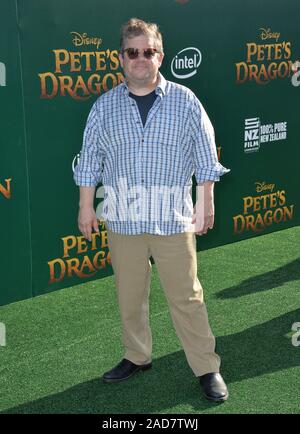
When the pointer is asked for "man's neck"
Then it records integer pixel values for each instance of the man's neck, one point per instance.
(141, 89)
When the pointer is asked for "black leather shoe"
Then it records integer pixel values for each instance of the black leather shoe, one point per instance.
(123, 370)
(214, 387)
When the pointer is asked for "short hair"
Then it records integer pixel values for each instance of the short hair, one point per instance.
(136, 27)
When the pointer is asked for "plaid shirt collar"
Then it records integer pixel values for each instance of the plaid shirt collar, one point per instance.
(159, 90)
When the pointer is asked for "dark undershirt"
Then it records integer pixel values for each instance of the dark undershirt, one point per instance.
(144, 102)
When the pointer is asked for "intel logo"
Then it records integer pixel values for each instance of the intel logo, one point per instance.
(75, 161)
(186, 62)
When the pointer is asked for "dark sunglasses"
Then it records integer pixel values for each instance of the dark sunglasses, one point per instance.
(133, 53)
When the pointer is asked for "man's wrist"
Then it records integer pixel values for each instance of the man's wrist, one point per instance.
(86, 205)
(206, 183)
(208, 190)
(86, 198)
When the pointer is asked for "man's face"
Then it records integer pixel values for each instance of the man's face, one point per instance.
(140, 70)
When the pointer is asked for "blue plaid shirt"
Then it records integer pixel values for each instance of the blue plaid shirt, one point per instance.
(148, 170)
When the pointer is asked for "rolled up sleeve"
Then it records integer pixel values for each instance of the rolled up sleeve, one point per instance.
(88, 172)
(207, 166)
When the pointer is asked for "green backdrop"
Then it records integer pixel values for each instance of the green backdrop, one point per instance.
(59, 56)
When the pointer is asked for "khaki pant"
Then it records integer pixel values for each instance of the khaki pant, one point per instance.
(176, 261)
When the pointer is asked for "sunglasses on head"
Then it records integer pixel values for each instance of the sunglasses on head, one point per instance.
(133, 53)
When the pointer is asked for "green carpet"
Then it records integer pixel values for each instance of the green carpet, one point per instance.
(59, 344)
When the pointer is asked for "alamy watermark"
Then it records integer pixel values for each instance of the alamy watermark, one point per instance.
(296, 336)
(123, 203)
(2, 74)
(296, 75)
(2, 335)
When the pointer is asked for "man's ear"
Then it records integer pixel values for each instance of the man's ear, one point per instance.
(161, 57)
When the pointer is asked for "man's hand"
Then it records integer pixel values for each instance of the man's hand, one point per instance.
(204, 210)
(87, 221)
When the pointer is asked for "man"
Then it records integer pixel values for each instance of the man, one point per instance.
(144, 140)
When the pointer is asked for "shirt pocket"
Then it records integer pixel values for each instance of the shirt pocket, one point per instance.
(171, 133)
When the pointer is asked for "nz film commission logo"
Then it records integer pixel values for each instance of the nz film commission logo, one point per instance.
(80, 73)
(186, 62)
(256, 134)
(267, 207)
(266, 61)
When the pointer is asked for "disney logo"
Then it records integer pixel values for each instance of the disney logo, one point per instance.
(262, 186)
(267, 34)
(83, 39)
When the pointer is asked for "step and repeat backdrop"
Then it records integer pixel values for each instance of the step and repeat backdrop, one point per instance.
(56, 58)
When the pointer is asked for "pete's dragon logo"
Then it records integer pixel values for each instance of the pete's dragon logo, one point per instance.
(81, 74)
